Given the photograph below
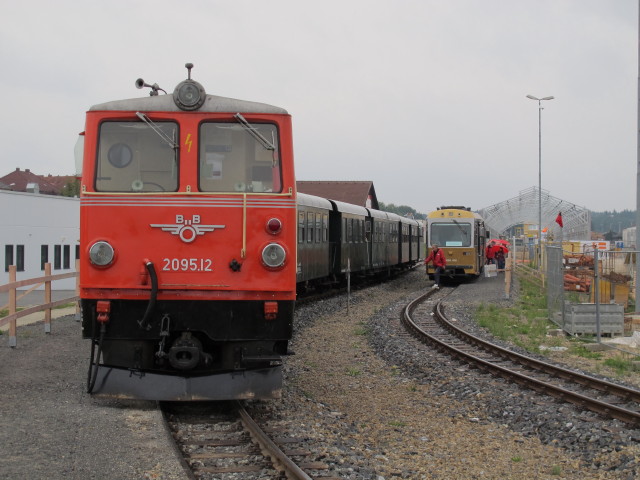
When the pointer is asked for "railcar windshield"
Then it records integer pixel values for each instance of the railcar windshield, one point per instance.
(134, 157)
(456, 234)
(232, 159)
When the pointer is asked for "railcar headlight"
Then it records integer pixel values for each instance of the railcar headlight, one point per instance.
(273, 255)
(101, 254)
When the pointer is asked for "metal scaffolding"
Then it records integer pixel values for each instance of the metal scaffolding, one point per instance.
(523, 209)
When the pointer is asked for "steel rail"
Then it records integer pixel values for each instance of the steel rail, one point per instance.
(620, 391)
(278, 457)
(583, 401)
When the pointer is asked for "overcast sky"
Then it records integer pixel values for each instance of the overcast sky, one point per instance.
(425, 98)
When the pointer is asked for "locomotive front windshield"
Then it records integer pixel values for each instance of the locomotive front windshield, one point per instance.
(236, 157)
(454, 234)
(137, 157)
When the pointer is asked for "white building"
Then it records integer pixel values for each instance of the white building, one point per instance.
(629, 238)
(37, 229)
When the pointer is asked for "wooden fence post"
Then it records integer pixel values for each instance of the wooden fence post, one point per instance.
(47, 298)
(13, 341)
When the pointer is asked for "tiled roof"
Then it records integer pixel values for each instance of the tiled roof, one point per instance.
(356, 193)
(18, 180)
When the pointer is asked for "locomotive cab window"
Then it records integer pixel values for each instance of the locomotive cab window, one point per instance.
(235, 157)
(455, 234)
(136, 157)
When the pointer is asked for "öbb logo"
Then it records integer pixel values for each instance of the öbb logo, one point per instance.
(186, 228)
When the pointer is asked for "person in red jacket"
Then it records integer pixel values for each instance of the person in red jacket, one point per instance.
(490, 254)
(439, 262)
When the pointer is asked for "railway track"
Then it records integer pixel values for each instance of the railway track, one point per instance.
(221, 440)
(430, 325)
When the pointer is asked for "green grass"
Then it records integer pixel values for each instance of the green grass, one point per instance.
(361, 329)
(525, 324)
(397, 423)
(619, 364)
(556, 470)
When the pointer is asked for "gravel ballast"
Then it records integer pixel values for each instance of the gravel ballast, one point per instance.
(376, 403)
(401, 410)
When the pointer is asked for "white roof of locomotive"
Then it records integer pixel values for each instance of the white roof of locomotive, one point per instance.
(165, 103)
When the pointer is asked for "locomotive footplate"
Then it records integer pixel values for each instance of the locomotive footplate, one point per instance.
(113, 382)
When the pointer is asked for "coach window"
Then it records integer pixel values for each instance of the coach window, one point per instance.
(300, 227)
(137, 157)
(325, 226)
(318, 227)
(310, 222)
(238, 157)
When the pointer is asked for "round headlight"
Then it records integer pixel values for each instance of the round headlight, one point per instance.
(101, 253)
(189, 95)
(273, 255)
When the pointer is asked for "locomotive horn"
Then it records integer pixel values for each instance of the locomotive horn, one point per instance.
(140, 83)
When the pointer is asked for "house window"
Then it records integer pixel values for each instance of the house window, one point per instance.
(44, 255)
(66, 259)
(57, 257)
(8, 257)
(20, 258)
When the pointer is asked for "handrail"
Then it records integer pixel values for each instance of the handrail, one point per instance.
(48, 304)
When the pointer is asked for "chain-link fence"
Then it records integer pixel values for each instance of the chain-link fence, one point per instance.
(589, 288)
(574, 286)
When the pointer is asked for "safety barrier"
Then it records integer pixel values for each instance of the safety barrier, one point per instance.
(13, 286)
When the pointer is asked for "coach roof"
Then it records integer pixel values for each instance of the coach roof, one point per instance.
(165, 103)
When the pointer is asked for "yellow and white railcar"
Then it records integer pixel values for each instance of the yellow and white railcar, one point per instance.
(462, 236)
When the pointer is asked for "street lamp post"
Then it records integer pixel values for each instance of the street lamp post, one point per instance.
(539, 100)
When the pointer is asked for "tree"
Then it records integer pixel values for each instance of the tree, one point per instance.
(402, 210)
(71, 189)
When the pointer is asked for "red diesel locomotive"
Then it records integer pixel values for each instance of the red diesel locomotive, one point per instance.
(188, 245)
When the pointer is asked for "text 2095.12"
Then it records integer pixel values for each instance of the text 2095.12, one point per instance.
(187, 265)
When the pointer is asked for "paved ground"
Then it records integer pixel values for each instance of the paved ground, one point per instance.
(51, 429)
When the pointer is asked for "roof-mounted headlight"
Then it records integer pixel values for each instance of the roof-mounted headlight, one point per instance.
(189, 94)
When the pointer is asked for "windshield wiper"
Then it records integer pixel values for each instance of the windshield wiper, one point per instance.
(170, 141)
(254, 132)
(459, 226)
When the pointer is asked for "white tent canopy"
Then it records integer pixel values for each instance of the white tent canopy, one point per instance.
(523, 209)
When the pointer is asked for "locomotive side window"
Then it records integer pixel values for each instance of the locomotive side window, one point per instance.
(455, 234)
(133, 157)
(231, 159)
